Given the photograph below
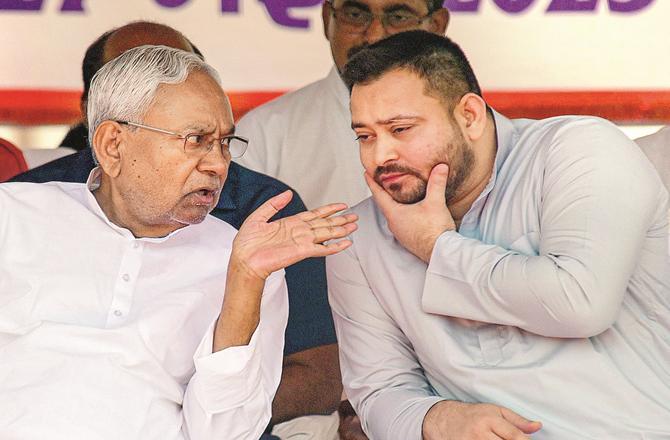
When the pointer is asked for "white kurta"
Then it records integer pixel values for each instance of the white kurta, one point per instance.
(107, 336)
(304, 139)
(552, 299)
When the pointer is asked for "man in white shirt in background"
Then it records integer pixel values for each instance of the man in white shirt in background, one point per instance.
(304, 138)
(132, 313)
(503, 271)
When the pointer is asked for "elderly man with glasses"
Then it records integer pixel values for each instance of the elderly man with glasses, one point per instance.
(126, 310)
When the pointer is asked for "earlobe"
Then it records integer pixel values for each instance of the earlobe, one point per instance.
(106, 143)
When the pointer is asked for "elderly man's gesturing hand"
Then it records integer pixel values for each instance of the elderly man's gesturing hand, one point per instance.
(262, 247)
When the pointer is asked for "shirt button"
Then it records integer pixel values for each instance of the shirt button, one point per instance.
(125, 277)
(136, 245)
(118, 313)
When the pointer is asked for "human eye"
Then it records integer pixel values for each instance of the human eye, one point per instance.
(195, 139)
(196, 142)
(363, 137)
(401, 18)
(355, 14)
(401, 129)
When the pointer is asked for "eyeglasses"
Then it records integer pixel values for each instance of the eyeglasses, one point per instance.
(196, 144)
(358, 19)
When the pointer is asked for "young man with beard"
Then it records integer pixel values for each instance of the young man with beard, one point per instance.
(504, 270)
(304, 138)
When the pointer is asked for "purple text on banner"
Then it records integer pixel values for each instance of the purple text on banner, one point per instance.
(21, 5)
(279, 11)
(72, 6)
(171, 3)
(517, 6)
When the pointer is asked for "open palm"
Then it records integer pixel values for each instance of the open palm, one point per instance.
(265, 246)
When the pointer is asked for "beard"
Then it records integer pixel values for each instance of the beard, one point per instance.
(460, 167)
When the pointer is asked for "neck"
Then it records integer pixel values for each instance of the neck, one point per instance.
(114, 205)
(485, 154)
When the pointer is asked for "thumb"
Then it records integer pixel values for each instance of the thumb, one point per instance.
(272, 206)
(383, 199)
(525, 425)
(437, 184)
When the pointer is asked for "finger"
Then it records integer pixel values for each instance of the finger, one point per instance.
(272, 206)
(522, 423)
(333, 221)
(322, 211)
(332, 232)
(507, 431)
(437, 183)
(383, 199)
(323, 250)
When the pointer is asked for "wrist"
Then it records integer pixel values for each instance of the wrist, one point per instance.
(239, 268)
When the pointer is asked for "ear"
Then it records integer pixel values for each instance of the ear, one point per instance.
(107, 141)
(439, 21)
(470, 113)
(325, 17)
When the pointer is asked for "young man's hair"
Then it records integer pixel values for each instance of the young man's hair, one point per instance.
(436, 59)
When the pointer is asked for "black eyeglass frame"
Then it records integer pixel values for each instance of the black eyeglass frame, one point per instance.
(383, 19)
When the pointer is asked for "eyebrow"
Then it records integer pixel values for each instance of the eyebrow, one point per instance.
(205, 129)
(391, 120)
(390, 8)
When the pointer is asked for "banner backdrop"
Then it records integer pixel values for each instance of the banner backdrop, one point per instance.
(533, 57)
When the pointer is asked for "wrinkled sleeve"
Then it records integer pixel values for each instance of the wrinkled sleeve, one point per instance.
(230, 395)
(600, 197)
(381, 375)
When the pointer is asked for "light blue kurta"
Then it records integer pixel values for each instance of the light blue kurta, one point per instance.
(552, 299)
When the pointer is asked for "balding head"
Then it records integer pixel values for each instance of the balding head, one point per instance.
(141, 33)
(114, 42)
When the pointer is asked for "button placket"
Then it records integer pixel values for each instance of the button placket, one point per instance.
(126, 284)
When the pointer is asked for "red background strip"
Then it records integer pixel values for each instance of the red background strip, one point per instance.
(36, 107)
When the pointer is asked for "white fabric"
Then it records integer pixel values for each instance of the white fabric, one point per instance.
(309, 428)
(657, 148)
(305, 139)
(39, 156)
(552, 299)
(105, 336)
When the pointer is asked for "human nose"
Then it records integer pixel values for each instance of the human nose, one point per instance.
(215, 161)
(384, 151)
(375, 30)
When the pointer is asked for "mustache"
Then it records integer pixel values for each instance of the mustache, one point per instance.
(394, 168)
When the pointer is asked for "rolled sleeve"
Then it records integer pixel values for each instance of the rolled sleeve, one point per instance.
(230, 395)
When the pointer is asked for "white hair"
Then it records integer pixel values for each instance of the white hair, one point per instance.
(124, 88)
